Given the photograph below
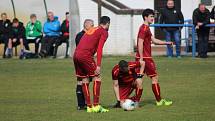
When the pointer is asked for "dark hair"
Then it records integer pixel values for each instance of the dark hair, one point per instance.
(66, 13)
(104, 20)
(147, 12)
(200, 4)
(15, 20)
(33, 15)
(170, 0)
(123, 64)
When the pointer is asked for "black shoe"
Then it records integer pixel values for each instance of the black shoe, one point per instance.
(42, 54)
(9, 56)
(81, 108)
(21, 56)
(204, 56)
(36, 55)
(66, 56)
(4, 56)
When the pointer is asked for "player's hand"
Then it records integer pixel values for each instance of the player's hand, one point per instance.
(170, 43)
(117, 105)
(97, 71)
(199, 24)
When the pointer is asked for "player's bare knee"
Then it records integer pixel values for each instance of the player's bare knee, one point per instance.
(139, 83)
(85, 80)
(155, 80)
(79, 82)
(97, 78)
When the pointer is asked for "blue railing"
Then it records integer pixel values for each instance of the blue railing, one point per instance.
(184, 25)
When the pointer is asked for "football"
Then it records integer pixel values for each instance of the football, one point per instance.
(128, 105)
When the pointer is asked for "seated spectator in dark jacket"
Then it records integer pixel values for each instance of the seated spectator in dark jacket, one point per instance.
(64, 37)
(213, 16)
(213, 13)
(170, 15)
(5, 27)
(51, 30)
(17, 36)
(34, 32)
(201, 17)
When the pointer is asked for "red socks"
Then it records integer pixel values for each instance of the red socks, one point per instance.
(156, 91)
(96, 92)
(138, 93)
(85, 88)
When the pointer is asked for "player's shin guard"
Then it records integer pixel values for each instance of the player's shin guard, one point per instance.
(85, 88)
(156, 91)
(138, 94)
(80, 96)
(96, 92)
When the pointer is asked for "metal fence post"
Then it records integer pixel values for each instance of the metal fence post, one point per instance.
(193, 42)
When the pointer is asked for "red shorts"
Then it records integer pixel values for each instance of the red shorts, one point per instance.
(85, 66)
(125, 92)
(150, 68)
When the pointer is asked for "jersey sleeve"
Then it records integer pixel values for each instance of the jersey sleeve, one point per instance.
(102, 40)
(135, 64)
(115, 73)
(142, 33)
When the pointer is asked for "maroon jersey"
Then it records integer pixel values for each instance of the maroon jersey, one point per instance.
(126, 79)
(92, 42)
(145, 34)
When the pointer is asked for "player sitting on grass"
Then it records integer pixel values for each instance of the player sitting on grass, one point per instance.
(144, 40)
(92, 42)
(126, 80)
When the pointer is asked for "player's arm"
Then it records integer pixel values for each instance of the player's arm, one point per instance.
(142, 67)
(116, 89)
(140, 49)
(102, 40)
(160, 42)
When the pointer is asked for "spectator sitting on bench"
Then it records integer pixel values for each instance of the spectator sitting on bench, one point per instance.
(51, 30)
(64, 37)
(5, 26)
(33, 32)
(213, 16)
(17, 36)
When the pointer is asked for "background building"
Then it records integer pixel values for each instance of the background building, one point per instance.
(123, 29)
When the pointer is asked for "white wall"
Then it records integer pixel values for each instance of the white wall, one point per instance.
(138, 3)
(6, 6)
(119, 40)
(122, 35)
(187, 7)
(88, 10)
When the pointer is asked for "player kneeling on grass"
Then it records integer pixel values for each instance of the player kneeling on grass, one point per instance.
(92, 42)
(126, 79)
(144, 40)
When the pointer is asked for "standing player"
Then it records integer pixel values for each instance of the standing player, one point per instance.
(92, 42)
(88, 24)
(126, 79)
(144, 40)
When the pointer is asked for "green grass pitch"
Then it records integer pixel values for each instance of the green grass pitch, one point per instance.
(44, 90)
